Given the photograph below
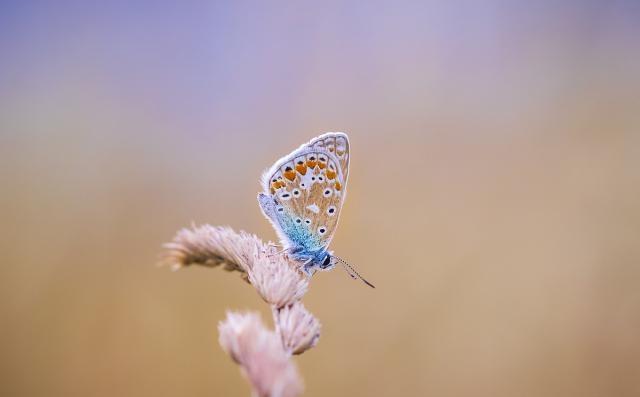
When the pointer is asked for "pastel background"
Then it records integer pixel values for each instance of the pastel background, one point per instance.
(494, 195)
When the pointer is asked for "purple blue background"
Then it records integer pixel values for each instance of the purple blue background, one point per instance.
(493, 197)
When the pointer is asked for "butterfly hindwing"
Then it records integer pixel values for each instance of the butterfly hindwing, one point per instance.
(304, 191)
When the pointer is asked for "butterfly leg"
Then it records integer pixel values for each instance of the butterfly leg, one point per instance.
(281, 251)
(310, 267)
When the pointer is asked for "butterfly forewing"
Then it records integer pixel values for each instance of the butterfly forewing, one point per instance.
(308, 187)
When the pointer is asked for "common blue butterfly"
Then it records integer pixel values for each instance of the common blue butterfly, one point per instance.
(303, 196)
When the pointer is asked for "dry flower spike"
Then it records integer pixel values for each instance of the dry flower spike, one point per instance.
(264, 356)
(258, 351)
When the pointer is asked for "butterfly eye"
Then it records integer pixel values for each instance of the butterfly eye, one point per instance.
(327, 261)
(327, 192)
(331, 210)
(322, 230)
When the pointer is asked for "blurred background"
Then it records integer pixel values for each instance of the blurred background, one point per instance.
(494, 194)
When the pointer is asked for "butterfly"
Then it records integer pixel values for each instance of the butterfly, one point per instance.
(303, 196)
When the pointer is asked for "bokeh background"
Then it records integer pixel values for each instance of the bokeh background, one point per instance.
(494, 194)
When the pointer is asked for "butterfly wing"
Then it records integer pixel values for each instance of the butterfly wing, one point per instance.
(304, 192)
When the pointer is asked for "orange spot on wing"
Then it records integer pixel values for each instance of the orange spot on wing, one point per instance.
(290, 175)
(322, 165)
(331, 174)
(338, 186)
(311, 164)
(301, 168)
(273, 191)
(277, 185)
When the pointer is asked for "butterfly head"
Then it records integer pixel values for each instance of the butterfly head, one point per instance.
(313, 261)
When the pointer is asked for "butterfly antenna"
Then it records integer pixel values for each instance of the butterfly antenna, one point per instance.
(353, 272)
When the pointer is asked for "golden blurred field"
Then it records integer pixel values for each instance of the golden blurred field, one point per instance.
(494, 194)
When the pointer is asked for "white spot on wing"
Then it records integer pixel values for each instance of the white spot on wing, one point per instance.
(305, 181)
(313, 208)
